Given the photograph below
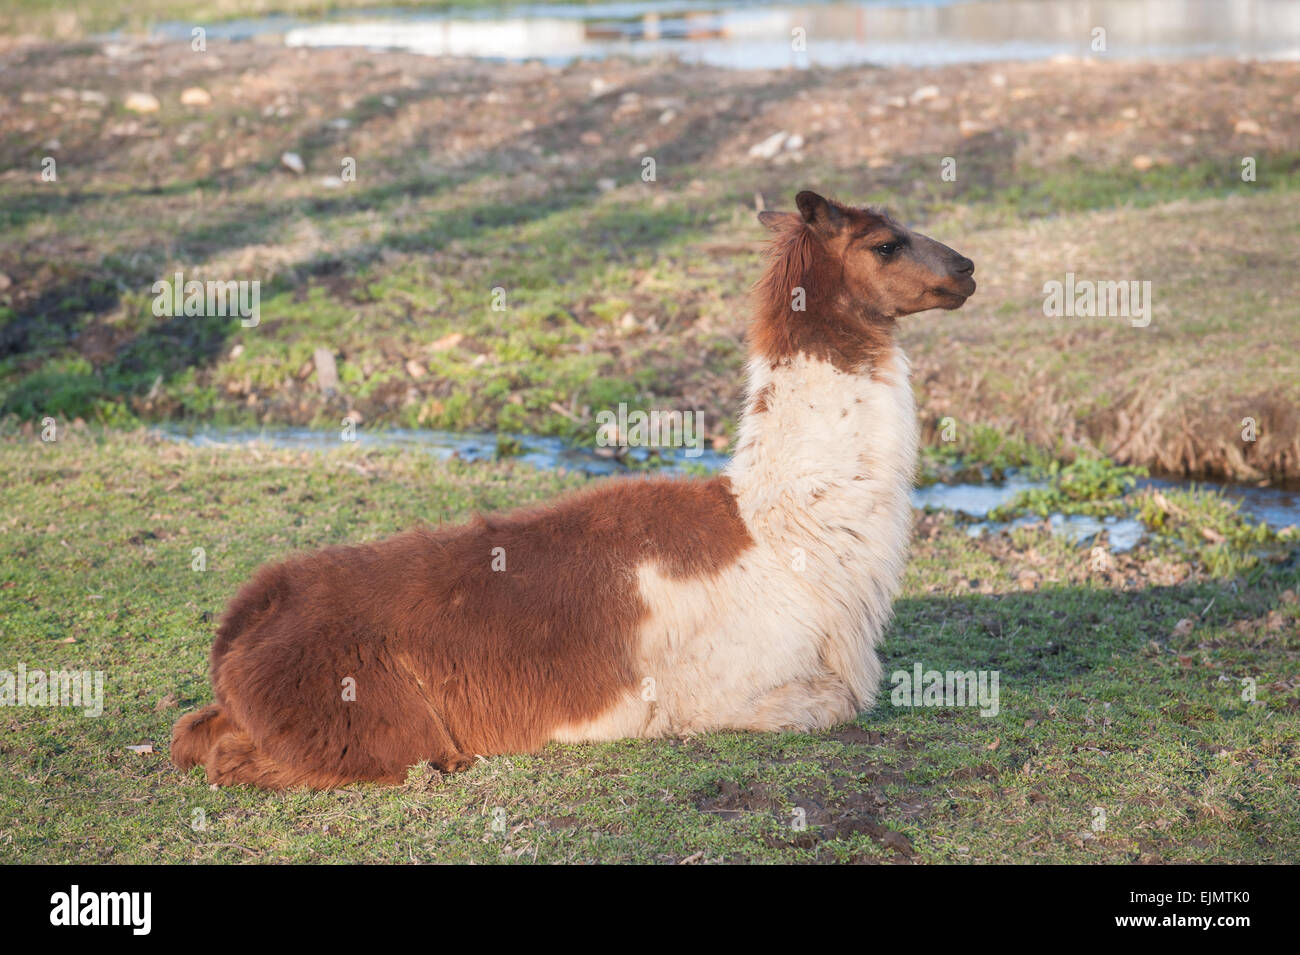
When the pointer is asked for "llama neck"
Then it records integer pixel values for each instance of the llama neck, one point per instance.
(824, 455)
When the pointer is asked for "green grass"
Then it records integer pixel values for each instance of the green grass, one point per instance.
(475, 177)
(1121, 690)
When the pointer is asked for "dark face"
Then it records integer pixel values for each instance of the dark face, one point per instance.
(884, 267)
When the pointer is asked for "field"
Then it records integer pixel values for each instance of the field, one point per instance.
(1150, 701)
(474, 177)
(1121, 690)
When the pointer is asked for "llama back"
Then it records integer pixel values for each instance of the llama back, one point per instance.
(465, 641)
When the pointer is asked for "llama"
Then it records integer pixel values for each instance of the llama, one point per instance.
(752, 600)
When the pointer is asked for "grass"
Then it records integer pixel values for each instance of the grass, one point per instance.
(1121, 690)
(1158, 690)
(474, 177)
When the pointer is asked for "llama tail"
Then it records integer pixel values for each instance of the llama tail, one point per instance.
(195, 733)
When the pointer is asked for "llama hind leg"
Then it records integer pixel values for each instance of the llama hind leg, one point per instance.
(235, 759)
(801, 706)
(209, 737)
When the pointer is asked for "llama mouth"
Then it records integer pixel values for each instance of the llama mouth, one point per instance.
(952, 298)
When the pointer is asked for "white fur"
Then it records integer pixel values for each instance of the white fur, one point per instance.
(822, 476)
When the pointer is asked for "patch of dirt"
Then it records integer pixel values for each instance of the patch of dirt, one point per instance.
(851, 802)
(813, 818)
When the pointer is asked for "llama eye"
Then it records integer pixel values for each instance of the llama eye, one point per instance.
(888, 249)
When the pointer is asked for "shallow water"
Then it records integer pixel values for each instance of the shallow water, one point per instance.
(758, 35)
(540, 452)
(1277, 507)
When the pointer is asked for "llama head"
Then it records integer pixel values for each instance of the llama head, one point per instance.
(882, 266)
(839, 277)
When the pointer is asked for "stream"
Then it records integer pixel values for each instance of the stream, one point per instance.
(1278, 507)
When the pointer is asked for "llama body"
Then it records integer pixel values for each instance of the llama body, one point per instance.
(784, 636)
(753, 600)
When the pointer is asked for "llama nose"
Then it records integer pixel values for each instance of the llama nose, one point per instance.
(964, 266)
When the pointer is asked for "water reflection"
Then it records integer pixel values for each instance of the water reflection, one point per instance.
(763, 35)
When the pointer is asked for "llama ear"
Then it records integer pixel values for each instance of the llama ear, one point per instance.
(817, 211)
(778, 221)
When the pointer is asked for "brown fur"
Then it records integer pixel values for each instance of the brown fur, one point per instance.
(451, 659)
(853, 295)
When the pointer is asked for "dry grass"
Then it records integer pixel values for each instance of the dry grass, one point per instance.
(1222, 345)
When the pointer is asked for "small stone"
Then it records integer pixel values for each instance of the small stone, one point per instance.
(447, 342)
(1248, 127)
(415, 369)
(195, 96)
(143, 103)
(1143, 162)
(606, 185)
(327, 373)
(768, 147)
(923, 93)
(293, 162)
